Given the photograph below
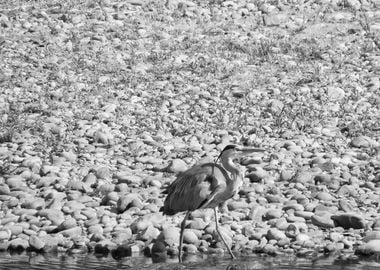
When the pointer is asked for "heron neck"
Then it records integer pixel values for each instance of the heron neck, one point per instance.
(230, 166)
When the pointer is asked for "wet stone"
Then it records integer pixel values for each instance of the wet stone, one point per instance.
(369, 248)
(371, 235)
(18, 244)
(36, 243)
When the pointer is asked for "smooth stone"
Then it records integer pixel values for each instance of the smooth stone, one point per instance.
(280, 223)
(169, 235)
(33, 203)
(104, 247)
(371, 235)
(292, 231)
(302, 238)
(349, 220)
(197, 224)
(336, 236)
(158, 248)
(51, 242)
(14, 229)
(5, 234)
(95, 229)
(250, 232)
(190, 248)
(190, 237)
(371, 247)
(304, 177)
(273, 214)
(110, 198)
(176, 166)
(102, 137)
(36, 243)
(324, 221)
(67, 224)
(269, 249)
(286, 175)
(103, 173)
(75, 205)
(294, 219)
(324, 196)
(322, 209)
(15, 181)
(122, 235)
(34, 163)
(304, 214)
(90, 213)
(149, 233)
(46, 169)
(362, 142)
(122, 250)
(256, 213)
(294, 206)
(128, 178)
(345, 206)
(274, 198)
(275, 234)
(322, 178)
(18, 244)
(4, 189)
(257, 175)
(72, 232)
(139, 225)
(237, 205)
(127, 201)
(55, 216)
(335, 93)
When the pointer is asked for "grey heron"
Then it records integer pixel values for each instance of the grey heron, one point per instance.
(206, 186)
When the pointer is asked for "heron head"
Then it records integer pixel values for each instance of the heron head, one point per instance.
(234, 151)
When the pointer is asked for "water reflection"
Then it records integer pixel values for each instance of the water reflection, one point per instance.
(194, 262)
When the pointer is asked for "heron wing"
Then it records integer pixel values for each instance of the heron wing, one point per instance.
(195, 188)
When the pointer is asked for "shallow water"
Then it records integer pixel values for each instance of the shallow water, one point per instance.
(85, 262)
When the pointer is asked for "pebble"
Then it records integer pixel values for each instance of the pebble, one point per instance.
(363, 142)
(324, 221)
(371, 235)
(149, 234)
(170, 235)
(349, 220)
(55, 216)
(273, 214)
(369, 248)
(335, 93)
(176, 166)
(159, 249)
(36, 243)
(275, 234)
(190, 237)
(18, 244)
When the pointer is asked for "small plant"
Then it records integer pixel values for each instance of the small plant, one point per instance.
(9, 123)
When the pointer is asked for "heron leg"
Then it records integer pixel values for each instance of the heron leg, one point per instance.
(183, 224)
(220, 234)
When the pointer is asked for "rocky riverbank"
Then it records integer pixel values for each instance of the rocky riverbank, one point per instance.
(103, 103)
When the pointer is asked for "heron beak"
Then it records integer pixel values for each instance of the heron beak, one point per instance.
(248, 150)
